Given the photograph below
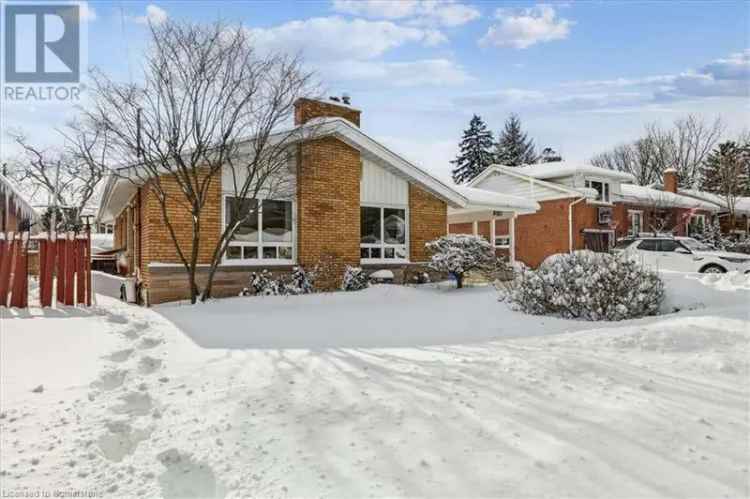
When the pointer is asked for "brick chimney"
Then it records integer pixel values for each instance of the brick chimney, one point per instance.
(308, 109)
(670, 180)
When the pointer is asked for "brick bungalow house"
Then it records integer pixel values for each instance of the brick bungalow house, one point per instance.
(581, 207)
(741, 229)
(16, 212)
(353, 200)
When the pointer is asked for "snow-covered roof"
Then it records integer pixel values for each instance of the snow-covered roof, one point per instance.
(741, 205)
(118, 190)
(481, 198)
(638, 194)
(21, 204)
(566, 168)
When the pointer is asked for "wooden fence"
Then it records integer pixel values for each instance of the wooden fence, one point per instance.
(14, 279)
(64, 270)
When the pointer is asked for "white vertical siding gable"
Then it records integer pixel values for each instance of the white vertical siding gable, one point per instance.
(379, 186)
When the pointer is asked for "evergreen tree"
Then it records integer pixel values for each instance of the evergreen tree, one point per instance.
(513, 147)
(476, 151)
(549, 155)
(712, 235)
(725, 173)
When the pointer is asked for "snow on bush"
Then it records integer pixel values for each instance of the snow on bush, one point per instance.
(299, 282)
(590, 286)
(354, 279)
(457, 254)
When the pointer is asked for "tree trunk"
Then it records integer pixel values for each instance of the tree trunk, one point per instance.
(459, 281)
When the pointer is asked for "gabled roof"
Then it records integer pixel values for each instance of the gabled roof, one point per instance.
(517, 172)
(639, 194)
(481, 198)
(21, 204)
(566, 168)
(742, 204)
(118, 190)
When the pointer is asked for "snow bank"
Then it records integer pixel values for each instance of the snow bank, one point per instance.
(287, 397)
(690, 291)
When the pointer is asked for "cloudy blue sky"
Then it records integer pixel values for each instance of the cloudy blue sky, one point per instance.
(583, 76)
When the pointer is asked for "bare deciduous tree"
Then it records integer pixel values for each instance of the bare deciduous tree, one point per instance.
(683, 147)
(208, 105)
(67, 175)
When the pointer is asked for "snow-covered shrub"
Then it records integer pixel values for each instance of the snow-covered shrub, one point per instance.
(457, 254)
(354, 279)
(713, 237)
(590, 286)
(300, 282)
(264, 284)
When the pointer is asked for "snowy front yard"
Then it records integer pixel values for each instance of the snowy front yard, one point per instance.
(392, 391)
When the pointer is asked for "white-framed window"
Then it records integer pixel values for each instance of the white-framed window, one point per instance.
(696, 225)
(502, 241)
(602, 188)
(265, 233)
(635, 222)
(383, 233)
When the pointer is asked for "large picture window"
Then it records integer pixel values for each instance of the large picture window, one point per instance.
(264, 231)
(382, 233)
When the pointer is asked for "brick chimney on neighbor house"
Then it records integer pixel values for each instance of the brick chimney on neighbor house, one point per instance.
(670, 180)
(307, 109)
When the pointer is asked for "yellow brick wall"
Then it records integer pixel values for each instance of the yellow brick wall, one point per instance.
(328, 203)
(428, 217)
(157, 244)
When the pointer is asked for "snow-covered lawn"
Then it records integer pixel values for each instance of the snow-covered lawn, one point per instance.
(392, 391)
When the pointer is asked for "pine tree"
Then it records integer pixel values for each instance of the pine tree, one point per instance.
(712, 235)
(513, 147)
(476, 151)
(549, 155)
(725, 173)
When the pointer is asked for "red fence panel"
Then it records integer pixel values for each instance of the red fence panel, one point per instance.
(69, 272)
(5, 263)
(81, 271)
(46, 271)
(60, 270)
(65, 259)
(20, 293)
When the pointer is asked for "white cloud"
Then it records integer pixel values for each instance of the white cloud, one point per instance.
(155, 15)
(526, 28)
(734, 67)
(426, 72)
(335, 38)
(423, 12)
(723, 77)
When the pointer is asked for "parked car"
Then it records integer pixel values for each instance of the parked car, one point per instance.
(683, 254)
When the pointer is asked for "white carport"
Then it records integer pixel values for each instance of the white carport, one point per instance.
(489, 206)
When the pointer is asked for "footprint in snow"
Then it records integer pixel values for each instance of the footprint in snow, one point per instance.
(148, 365)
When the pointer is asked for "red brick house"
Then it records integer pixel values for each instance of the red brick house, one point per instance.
(352, 199)
(582, 207)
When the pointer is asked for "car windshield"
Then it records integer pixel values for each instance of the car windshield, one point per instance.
(695, 245)
(623, 243)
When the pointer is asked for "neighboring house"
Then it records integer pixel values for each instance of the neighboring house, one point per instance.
(741, 229)
(582, 207)
(352, 200)
(16, 213)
